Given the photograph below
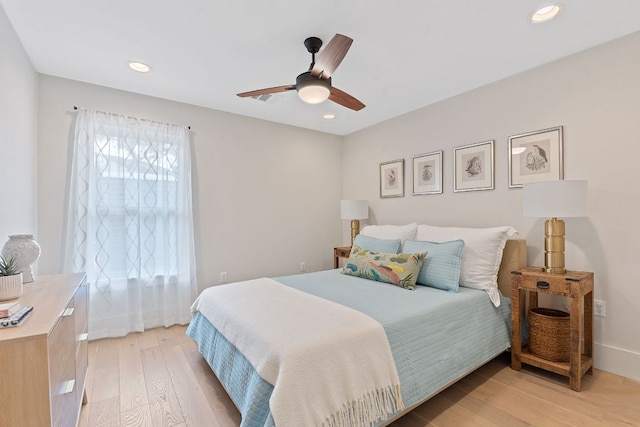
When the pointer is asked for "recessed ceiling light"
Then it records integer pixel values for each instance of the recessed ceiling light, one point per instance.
(545, 13)
(138, 66)
(329, 116)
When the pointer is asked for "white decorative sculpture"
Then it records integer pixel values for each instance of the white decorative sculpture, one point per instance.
(25, 250)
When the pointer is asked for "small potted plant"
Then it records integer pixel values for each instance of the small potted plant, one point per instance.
(10, 279)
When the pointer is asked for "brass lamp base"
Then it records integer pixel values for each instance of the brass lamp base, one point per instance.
(355, 229)
(554, 246)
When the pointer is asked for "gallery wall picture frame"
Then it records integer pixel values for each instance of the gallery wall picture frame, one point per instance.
(427, 173)
(392, 178)
(536, 156)
(474, 167)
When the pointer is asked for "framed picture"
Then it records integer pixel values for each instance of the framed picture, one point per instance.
(536, 156)
(473, 167)
(392, 178)
(427, 173)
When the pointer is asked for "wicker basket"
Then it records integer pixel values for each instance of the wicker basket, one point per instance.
(549, 334)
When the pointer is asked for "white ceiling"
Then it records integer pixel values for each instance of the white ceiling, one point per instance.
(405, 55)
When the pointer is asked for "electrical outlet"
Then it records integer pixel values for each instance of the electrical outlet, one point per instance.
(223, 277)
(303, 267)
(599, 308)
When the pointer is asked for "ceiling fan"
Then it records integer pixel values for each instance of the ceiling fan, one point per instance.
(314, 86)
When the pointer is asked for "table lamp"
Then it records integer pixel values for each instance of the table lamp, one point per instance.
(354, 210)
(553, 199)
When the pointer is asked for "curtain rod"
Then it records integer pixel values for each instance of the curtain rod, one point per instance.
(75, 108)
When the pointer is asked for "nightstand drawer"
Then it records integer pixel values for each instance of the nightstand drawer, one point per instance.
(340, 252)
(553, 285)
(343, 252)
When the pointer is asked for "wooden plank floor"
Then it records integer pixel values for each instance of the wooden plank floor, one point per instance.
(158, 378)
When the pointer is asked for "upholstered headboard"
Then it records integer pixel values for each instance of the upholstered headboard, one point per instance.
(514, 257)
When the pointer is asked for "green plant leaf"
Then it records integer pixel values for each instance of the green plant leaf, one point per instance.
(8, 267)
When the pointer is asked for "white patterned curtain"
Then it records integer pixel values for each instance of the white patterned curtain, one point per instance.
(130, 222)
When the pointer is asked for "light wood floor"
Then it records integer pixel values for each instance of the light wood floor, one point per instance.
(158, 378)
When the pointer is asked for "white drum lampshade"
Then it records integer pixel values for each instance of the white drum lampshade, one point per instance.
(355, 210)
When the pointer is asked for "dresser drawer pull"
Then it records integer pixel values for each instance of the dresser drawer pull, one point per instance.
(67, 387)
(83, 337)
(541, 284)
(68, 312)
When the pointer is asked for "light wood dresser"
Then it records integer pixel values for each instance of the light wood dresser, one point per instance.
(43, 362)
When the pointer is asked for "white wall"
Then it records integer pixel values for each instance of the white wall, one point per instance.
(18, 136)
(595, 95)
(266, 195)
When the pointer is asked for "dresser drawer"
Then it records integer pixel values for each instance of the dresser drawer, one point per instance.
(62, 369)
(82, 339)
(80, 302)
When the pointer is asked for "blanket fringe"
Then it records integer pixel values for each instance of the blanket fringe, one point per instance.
(376, 405)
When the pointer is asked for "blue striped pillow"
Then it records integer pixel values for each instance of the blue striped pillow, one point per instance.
(441, 267)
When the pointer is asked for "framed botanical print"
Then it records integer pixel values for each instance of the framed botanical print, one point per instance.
(392, 178)
(427, 173)
(473, 167)
(536, 156)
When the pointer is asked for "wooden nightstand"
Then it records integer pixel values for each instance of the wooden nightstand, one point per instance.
(578, 286)
(340, 252)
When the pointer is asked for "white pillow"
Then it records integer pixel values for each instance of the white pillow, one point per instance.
(481, 257)
(391, 232)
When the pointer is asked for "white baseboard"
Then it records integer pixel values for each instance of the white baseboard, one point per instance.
(617, 360)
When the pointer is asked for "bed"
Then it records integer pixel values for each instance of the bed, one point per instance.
(433, 337)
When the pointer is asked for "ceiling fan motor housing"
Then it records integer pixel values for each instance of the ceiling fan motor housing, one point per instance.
(312, 90)
(313, 44)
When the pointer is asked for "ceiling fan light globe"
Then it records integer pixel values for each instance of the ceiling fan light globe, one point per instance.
(312, 90)
(312, 94)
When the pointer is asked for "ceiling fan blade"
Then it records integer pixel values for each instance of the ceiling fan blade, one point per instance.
(344, 99)
(266, 91)
(331, 56)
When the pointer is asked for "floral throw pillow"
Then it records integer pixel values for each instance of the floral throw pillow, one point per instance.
(399, 269)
